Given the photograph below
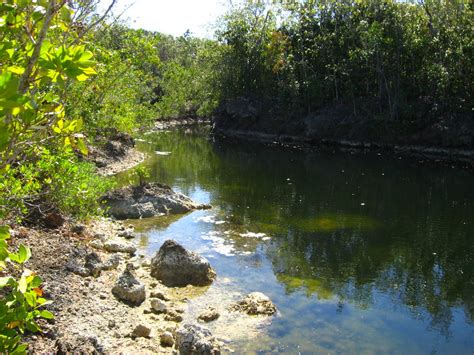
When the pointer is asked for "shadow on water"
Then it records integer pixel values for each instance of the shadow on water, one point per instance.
(363, 252)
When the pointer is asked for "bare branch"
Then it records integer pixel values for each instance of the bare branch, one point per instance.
(93, 24)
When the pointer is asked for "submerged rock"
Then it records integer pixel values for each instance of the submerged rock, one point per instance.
(128, 288)
(147, 200)
(255, 303)
(176, 266)
(195, 339)
(209, 315)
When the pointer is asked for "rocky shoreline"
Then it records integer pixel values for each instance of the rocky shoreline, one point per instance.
(107, 298)
(114, 154)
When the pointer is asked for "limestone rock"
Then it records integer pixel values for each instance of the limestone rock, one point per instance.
(119, 247)
(255, 303)
(176, 266)
(158, 306)
(166, 339)
(128, 288)
(209, 315)
(195, 339)
(141, 331)
(147, 200)
(111, 263)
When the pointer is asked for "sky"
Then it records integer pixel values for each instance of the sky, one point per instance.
(171, 16)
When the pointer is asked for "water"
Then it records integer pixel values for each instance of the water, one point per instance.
(361, 253)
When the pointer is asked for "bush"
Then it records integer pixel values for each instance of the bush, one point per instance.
(53, 181)
(21, 302)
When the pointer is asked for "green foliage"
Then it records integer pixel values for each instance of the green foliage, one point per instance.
(121, 95)
(187, 83)
(21, 301)
(400, 60)
(53, 180)
(140, 173)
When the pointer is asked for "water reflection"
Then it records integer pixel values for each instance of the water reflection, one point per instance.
(368, 238)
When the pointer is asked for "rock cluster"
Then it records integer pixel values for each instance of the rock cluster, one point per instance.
(176, 266)
(91, 264)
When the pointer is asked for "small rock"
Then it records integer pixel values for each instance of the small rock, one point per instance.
(119, 247)
(93, 264)
(173, 316)
(209, 315)
(112, 263)
(166, 339)
(128, 288)
(103, 295)
(141, 331)
(160, 295)
(179, 309)
(127, 234)
(255, 303)
(111, 324)
(97, 243)
(78, 228)
(158, 305)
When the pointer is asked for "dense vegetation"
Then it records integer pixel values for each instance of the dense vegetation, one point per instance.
(402, 60)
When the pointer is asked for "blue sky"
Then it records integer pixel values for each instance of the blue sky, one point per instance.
(171, 16)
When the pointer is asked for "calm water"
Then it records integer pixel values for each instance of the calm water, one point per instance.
(361, 253)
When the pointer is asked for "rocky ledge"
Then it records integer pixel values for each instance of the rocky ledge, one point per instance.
(148, 200)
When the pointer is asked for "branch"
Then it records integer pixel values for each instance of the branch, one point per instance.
(93, 24)
(50, 12)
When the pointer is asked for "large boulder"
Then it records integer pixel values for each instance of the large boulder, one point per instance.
(128, 289)
(176, 266)
(255, 303)
(148, 200)
(195, 339)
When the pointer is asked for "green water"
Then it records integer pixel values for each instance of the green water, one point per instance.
(361, 253)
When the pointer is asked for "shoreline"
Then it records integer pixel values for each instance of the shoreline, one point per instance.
(463, 158)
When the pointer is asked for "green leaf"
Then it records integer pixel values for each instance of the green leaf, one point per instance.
(14, 257)
(46, 314)
(82, 146)
(22, 284)
(4, 281)
(31, 298)
(4, 231)
(36, 282)
(24, 253)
